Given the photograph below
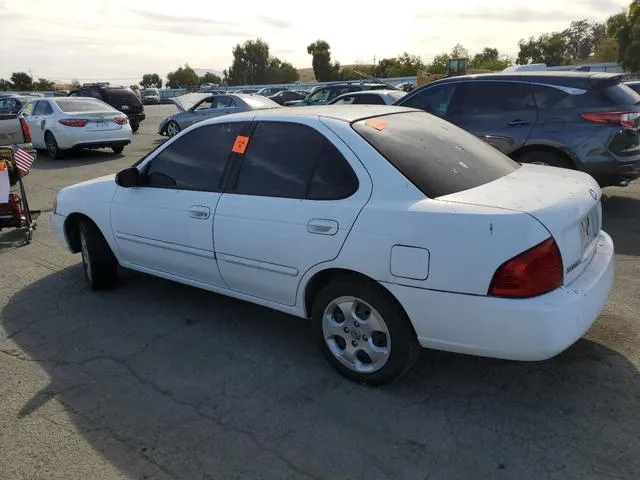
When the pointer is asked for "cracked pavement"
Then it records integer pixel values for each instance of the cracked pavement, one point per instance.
(156, 380)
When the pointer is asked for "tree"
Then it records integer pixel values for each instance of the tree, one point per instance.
(151, 80)
(404, 65)
(183, 77)
(22, 81)
(459, 52)
(489, 59)
(549, 48)
(210, 78)
(439, 64)
(134, 87)
(5, 85)
(581, 38)
(253, 65)
(323, 69)
(632, 57)
(606, 50)
(44, 85)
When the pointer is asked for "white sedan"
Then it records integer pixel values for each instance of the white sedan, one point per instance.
(390, 228)
(59, 124)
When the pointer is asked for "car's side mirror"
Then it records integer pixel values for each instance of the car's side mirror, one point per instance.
(128, 178)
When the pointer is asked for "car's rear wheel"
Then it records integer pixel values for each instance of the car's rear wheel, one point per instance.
(52, 146)
(173, 128)
(98, 261)
(118, 149)
(135, 126)
(543, 157)
(363, 332)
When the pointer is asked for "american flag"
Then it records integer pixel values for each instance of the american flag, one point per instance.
(22, 159)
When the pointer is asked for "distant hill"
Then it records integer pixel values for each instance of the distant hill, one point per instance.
(306, 74)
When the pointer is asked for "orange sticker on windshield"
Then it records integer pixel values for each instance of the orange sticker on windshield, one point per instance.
(377, 124)
(240, 145)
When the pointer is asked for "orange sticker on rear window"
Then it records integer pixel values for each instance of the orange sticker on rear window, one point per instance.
(377, 124)
(240, 145)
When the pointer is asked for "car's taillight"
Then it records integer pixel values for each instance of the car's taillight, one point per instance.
(73, 122)
(625, 119)
(121, 120)
(26, 131)
(533, 272)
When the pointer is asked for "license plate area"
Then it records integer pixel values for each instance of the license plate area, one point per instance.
(589, 229)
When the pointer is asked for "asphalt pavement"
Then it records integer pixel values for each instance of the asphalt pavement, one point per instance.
(156, 380)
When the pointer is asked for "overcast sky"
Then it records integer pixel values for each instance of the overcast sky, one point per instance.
(119, 40)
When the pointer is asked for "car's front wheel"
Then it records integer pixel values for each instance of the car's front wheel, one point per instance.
(173, 128)
(98, 261)
(363, 332)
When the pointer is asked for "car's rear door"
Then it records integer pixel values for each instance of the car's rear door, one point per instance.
(296, 194)
(165, 226)
(502, 113)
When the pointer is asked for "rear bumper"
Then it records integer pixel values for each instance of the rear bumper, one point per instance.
(136, 117)
(516, 329)
(103, 144)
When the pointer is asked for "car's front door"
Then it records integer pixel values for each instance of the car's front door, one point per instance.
(166, 225)
(296, 194)
(501, 113)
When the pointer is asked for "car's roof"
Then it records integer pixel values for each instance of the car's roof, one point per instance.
(369, 92)
(346, 113)
(537, 74)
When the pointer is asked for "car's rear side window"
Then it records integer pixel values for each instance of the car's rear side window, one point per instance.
(120, 95)
(436, 156)
(622, 94)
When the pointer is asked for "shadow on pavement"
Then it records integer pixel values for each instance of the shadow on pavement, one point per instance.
(74, 158)
(620, 220)
(196, 385)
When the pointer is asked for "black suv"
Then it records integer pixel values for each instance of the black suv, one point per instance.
(584, 121)
(324, 94)
(120, 98)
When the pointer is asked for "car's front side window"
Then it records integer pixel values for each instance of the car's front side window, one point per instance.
(290, 160)
(28, 109)
(435, 100)
(195, 161)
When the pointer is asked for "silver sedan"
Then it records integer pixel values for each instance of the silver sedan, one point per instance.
(195, 107)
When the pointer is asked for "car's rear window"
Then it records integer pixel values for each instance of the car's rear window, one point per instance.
(120, 95)
(84, 105)
(436, 156)
(622, 94)
(259, 102)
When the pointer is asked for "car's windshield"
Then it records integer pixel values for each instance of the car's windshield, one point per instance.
(436, 156)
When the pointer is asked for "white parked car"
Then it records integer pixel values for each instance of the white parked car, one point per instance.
(64, 123)
(150, 96)
(390, 228)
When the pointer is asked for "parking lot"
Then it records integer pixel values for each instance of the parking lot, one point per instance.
(162, 381)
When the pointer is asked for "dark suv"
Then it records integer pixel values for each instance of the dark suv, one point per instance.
(584, 121)
(120, 98)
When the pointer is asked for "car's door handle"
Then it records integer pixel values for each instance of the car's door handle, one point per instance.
(518, 123)
(199, 212)
(322, 226)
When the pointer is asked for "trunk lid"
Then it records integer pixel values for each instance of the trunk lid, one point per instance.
(566, 202)
(185, 102)
(10, 129)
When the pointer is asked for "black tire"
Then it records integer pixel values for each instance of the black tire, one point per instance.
(135, 126)
(98, 261)
(118, 150)
(543, 157)
(52, 146)
(403, 345)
